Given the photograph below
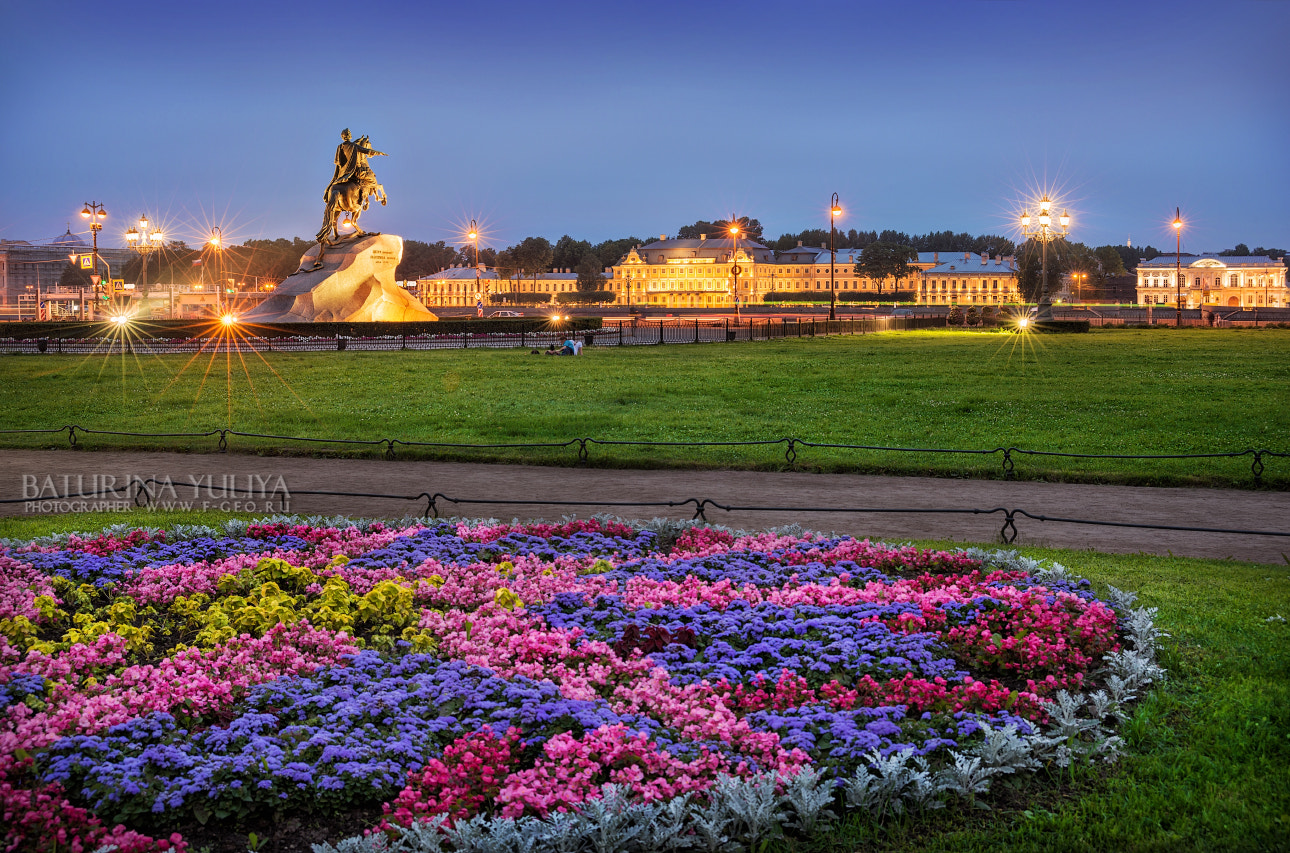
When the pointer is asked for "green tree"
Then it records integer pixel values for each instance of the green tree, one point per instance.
(423, 259)
(750, 229)
(568, 252)
(507, 265)
(1111, 260)
(611, 252)
(534, 255)
(1030, 267)
(591, 277)
(880, 261)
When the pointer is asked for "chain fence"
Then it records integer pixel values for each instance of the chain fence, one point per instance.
(582, 447)
(145, 495)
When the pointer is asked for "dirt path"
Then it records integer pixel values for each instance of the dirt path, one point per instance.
(45, 478)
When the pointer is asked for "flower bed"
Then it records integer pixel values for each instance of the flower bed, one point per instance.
(491, 679)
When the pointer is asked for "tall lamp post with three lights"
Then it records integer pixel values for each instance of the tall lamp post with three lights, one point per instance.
(144, 241)
(1041, 228)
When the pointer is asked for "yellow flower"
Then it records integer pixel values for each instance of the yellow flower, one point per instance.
(506, 599)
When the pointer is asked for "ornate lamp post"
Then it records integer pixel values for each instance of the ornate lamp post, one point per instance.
(834, 212)
(1044, 231)
(144, 241)
(735, 270)
(629, 278)
(1177, 223)
(95, 213)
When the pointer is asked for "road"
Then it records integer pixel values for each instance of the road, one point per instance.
(892, 508)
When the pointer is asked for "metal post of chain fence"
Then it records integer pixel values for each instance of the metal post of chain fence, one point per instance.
(660, 332)
(1008, 472)
(696, 330)
(71, 435)
(1256, 467)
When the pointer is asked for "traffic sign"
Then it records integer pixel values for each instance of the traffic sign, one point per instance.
(87, 263)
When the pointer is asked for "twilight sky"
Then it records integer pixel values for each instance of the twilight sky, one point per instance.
(605, 119)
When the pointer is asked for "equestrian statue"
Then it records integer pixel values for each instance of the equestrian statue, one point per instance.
(352, 187)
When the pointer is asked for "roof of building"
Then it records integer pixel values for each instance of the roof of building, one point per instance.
(1170, 261)
(955, 262)
(69, 240)
(468, 274)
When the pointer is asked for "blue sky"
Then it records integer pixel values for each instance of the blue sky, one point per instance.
(609, 119)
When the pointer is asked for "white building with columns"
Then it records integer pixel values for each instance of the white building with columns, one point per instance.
(1226, 281)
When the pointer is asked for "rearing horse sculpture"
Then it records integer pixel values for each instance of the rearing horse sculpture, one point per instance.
(352, 187)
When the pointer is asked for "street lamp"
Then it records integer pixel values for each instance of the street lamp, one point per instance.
(1045, 232)
(217, 243)
(94, 212)
(629, 278)
(1177, 223)
(834, 212)
(1079, 278)
(474, 236)
(735, 270)
(144, 241)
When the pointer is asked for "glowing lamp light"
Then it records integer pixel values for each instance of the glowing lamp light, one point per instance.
(1025, 220)
(132, 236)
(1023, 323)
(1044, 204)
(1177, 223)
(734, 230)
(836, 211)
(120, 319)
(1065, 220)
(143, 223)
(1044, 219)
(228, 320)
(86, 212)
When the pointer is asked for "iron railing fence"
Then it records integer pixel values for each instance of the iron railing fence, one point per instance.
(145, 494)
(614, 333)
(583, 446)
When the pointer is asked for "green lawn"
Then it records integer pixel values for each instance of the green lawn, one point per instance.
(1208, 750)
(1129, 392)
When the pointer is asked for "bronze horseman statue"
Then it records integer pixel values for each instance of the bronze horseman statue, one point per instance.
(352, 186)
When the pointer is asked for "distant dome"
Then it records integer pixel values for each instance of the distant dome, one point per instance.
(69, 240)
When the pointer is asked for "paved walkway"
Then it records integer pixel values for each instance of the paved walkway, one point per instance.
(246, 482)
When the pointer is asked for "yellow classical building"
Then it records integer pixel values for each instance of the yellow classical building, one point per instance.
(718, 272)
(1245, 281)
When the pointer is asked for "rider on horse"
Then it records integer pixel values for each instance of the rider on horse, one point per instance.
(352, 183)
(351, 164)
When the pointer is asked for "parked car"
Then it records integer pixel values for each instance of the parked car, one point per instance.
(902, 312)
(507, 314)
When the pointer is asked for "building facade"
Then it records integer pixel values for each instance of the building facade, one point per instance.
(1241, 281)
(30, 270)
(464, 286)
(701, 274)
(953, 278)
